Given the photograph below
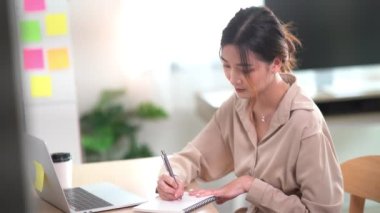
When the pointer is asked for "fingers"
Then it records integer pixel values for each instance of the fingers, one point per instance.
(169, 189)
(203, 192)
(167, 196)
(220, 194)
(166, 188)
(169, 181)
(179, 192)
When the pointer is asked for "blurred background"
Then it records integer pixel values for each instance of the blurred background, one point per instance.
(141, 76)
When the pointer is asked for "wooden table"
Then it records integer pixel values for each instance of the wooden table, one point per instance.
(137, 175)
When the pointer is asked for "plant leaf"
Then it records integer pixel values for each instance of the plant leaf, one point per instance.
(149, 110)
(108, 98)
(98, 141)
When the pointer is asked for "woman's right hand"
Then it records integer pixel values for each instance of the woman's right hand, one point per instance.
(170, 189)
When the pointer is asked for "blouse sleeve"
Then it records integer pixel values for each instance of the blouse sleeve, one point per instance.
(207, 156)
(319, 176)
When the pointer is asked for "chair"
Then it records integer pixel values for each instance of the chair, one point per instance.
(361, 178)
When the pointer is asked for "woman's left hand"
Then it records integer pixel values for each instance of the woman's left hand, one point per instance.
(229, 191)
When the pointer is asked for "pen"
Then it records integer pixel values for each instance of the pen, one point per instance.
(167, 165)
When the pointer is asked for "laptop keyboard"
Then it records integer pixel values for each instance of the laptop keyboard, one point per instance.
(81, 199)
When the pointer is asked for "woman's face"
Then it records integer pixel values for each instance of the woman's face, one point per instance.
(250, 81)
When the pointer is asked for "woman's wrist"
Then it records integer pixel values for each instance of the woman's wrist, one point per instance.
(247, 182)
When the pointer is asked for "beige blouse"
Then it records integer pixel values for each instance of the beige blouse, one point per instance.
(295, 164)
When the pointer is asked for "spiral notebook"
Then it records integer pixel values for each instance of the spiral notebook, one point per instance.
(186, 204)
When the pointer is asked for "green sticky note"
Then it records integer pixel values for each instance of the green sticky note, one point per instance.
(30, 31)
(40, 174)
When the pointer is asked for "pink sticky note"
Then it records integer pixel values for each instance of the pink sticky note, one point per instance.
(34, 5)
(33, 59)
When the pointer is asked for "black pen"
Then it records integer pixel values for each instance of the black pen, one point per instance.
(167, 165)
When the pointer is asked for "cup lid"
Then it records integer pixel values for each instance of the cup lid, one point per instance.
(60, 157)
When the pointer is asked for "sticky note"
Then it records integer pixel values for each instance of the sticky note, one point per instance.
(58, 58)
(34, 5)
(30, 31)
(40, 86)
(33, 59)
(39, 178)
(56, 24)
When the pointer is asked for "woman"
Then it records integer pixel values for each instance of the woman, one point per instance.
(271, 135)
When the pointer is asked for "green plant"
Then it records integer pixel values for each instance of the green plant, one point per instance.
(108, 131)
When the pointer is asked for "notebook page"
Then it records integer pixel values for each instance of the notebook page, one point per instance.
(176, 206)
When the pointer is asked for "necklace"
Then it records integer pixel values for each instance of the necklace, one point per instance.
(262, 118)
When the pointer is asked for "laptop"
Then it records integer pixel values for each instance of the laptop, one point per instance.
(89, 198)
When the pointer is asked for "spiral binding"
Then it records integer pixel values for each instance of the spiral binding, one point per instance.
(199, 204)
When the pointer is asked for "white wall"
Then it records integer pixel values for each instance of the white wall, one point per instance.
(93, 29)
(134, 44)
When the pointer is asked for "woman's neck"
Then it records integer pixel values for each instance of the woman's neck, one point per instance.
(267, 101)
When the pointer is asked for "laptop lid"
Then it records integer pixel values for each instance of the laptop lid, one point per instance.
(51, 190)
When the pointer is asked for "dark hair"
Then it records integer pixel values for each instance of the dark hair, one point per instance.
(258, 30)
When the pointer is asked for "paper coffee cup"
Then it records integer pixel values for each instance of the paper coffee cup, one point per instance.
(63, 165)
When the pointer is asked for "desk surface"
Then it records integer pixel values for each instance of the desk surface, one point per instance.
(138, 176)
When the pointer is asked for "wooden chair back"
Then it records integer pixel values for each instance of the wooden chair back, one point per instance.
(361, 177)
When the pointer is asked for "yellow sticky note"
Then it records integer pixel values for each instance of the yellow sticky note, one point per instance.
(56, 24)
(58, 58)
(40, 86)
(40, 174)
